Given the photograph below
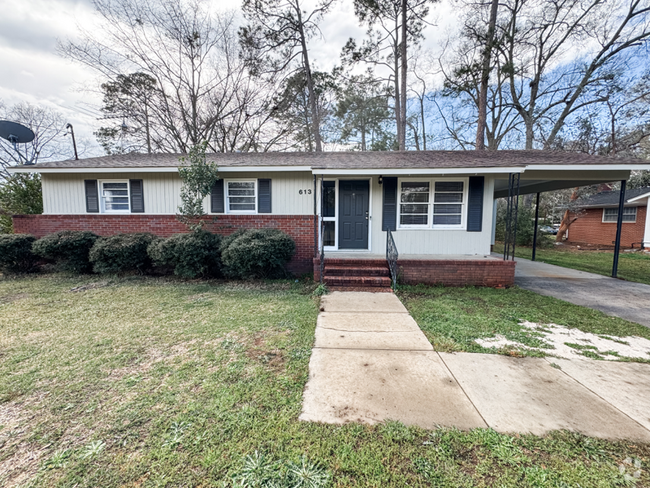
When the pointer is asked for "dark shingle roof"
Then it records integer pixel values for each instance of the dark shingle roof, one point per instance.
(356, 160)
(610, 198)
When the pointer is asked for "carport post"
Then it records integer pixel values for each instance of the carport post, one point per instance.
(536, 225)
(619, 225)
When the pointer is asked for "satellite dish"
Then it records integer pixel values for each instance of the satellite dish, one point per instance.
(17, 134)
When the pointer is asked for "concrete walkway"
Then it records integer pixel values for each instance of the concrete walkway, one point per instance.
(624, 299)
(371, 363)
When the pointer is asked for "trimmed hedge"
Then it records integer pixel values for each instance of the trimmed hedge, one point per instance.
(257, 253)
(68, 249)
(195, 254)
(121, 252)
(16, 254)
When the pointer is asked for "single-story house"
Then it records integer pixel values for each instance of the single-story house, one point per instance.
(346, 211)
(595, 223)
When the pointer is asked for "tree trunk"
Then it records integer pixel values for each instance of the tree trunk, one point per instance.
(403, 67)
(566, 218)
(315, 122)
(398, 111)
(485, 78)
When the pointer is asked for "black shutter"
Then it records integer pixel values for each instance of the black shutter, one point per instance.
(475, 204)
(137, 196)
(216, 197)
(389, 215)
(263, 196)
(92, 196)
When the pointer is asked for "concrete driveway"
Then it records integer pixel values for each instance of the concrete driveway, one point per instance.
(371, 363)
(624, 299)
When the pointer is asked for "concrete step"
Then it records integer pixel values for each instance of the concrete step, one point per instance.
(356, 271)
(356, 263)
(358, 281)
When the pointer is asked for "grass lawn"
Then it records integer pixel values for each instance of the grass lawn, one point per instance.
(452, 318)
(140, 382)
(631, 266)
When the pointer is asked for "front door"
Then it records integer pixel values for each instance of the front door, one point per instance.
(353, 214)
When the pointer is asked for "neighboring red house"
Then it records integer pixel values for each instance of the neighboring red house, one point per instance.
(596, 222)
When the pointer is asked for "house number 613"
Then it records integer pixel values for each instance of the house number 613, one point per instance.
(305, 192)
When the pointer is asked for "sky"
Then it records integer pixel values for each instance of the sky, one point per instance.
(33, 71)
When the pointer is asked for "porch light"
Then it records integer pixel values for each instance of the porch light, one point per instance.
(381, 179)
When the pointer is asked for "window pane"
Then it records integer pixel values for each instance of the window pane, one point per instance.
(446, 219)
(447, 209)
(241, 192)
(233, 185)
(240, 207)
(413, 219)
(415, 197)
(414, 209)
(415, 186)
(449, 186)
(328, 234)
(448, 197)
(329, 200)
(109, 186)
(234, 200)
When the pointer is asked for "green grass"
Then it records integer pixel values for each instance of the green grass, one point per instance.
(631, 266)
(147, 382)
(453, 318)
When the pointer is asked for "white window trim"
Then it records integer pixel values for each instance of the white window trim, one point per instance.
(429, 225)
(102, 203)
(636, 212)
(227, 200)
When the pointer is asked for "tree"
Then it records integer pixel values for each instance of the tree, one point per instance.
(20, 194)
(49, 144)
(485, 76)
(292, 108)
(362, 112)
(203, 91)
(277, 34)
(129, 98)
(392, 26)
(198, 177)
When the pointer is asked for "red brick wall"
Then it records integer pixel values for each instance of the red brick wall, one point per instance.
(299, 227)
(493, 272)
(589, 228)
(484, 272)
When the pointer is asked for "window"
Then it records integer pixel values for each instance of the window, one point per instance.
(329, 213)
(241, 196)
(115, 196)
(432, 204)
(611, 214)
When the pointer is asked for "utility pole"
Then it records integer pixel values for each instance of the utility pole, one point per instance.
(74, 141)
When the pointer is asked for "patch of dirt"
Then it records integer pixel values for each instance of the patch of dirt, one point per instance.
(13, 298)
(90, 286)
(560, 339)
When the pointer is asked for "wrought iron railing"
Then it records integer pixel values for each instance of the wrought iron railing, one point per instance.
(512, 211)
(391, 257)
(322, 251)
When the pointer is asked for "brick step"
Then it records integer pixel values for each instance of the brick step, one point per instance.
(356, 271)
(356, 263)
(358, 281)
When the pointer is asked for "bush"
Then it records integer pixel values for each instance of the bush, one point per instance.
(68, 249)
(525, 223)
(121, 252)
(257, 253)
(195, 254)
(16, 254)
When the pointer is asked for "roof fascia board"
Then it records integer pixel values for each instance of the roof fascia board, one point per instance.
(640, 197)
(165, 169)
(415, 171)
(589, 167)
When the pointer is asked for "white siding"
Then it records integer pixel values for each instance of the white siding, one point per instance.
(65, 194)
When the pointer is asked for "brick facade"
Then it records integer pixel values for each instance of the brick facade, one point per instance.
(494, 273)
(589, 228)
(299, 227)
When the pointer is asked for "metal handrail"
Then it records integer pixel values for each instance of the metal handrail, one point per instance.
(391, 257)
(322, 250)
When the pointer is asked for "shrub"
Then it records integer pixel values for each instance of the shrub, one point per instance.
(195, 254)
(121, 252)
(68, 249)
(16, 254)
(257, 253)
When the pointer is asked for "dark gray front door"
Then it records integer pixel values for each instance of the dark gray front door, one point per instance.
(353, 214)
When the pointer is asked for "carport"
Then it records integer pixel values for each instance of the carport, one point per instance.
(554, 172)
